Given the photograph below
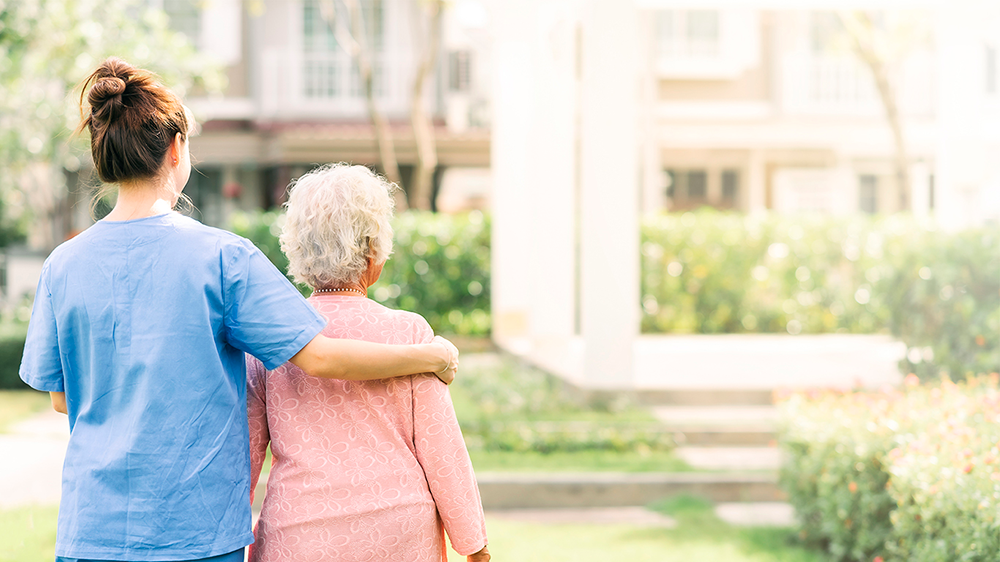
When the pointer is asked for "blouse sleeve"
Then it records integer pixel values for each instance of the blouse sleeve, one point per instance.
(265, 315)
(441, 451)
(260, 434)
(41, 362)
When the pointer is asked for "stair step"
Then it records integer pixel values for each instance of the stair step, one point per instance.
(546, 490)
(721, 437)
(732, 416)
(706, 397)
(731, 458)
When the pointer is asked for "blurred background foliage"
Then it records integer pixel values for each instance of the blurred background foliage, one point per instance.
(937, 291)
(47, 47)
(711, 273)
(503, 405)
(439, 268)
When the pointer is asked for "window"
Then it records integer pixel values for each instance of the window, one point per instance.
(687, 185)
(459, 65)
(326, 65)
(687, 33)
(868, 193)
(697, 184)
(184, 17)
(730, 186)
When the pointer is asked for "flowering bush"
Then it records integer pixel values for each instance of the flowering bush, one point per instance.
(897, 475)
(439, 268)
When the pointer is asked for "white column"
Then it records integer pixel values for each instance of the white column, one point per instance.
(551, 172)
(653, 190)
(959, 95)
(609, 192)
(513, 109)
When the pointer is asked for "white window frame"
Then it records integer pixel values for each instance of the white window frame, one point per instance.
(737, 49)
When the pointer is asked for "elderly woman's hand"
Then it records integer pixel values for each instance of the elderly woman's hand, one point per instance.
(447, 375)
(481, 556)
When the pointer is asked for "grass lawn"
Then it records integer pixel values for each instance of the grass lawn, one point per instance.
(15, 405)
(28, 535)
(699, 535)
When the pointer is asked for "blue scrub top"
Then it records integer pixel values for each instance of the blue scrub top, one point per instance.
(143, 324)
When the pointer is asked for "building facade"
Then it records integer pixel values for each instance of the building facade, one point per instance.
(293, 98)
(606, 110)
(755, 109)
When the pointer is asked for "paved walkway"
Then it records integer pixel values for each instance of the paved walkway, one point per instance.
(35, 449)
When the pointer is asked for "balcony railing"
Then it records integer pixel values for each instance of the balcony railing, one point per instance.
(843, 85)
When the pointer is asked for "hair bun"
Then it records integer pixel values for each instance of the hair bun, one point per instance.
(107, 88)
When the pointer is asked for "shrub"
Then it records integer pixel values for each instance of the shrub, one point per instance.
(505, 406)
(11, 349)
(904, 475)
(439, 267)
(709, 272)
(942, 297)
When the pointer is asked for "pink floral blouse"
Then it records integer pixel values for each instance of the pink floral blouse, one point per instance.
(370, 471)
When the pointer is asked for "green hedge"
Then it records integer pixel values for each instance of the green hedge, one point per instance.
(709, 272)
(11, 349)
(440, 266)
(897, 475)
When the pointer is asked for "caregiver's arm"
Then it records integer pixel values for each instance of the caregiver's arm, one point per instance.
(58, 401)
(360, 360)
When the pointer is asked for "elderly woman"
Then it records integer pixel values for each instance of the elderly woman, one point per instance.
(372, 470)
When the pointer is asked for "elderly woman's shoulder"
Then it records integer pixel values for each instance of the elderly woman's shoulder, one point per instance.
(406, 320)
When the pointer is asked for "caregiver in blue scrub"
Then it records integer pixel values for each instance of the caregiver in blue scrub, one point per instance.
(138, 331)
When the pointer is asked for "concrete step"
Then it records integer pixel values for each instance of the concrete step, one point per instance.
(719, 426)
(572, 490)
(705, 396)
(728, 415)
(741, 514)
(731, 458)
(721, 437)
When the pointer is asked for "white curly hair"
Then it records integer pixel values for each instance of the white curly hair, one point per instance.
(337, 217)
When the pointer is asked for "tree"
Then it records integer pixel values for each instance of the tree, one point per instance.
(348, 27)
(882, 43)
(428, 37)
(46, 48)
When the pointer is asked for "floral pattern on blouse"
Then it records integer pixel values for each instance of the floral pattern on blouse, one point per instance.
(361, 471)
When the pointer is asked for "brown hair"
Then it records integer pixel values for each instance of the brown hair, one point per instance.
(132, 120)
